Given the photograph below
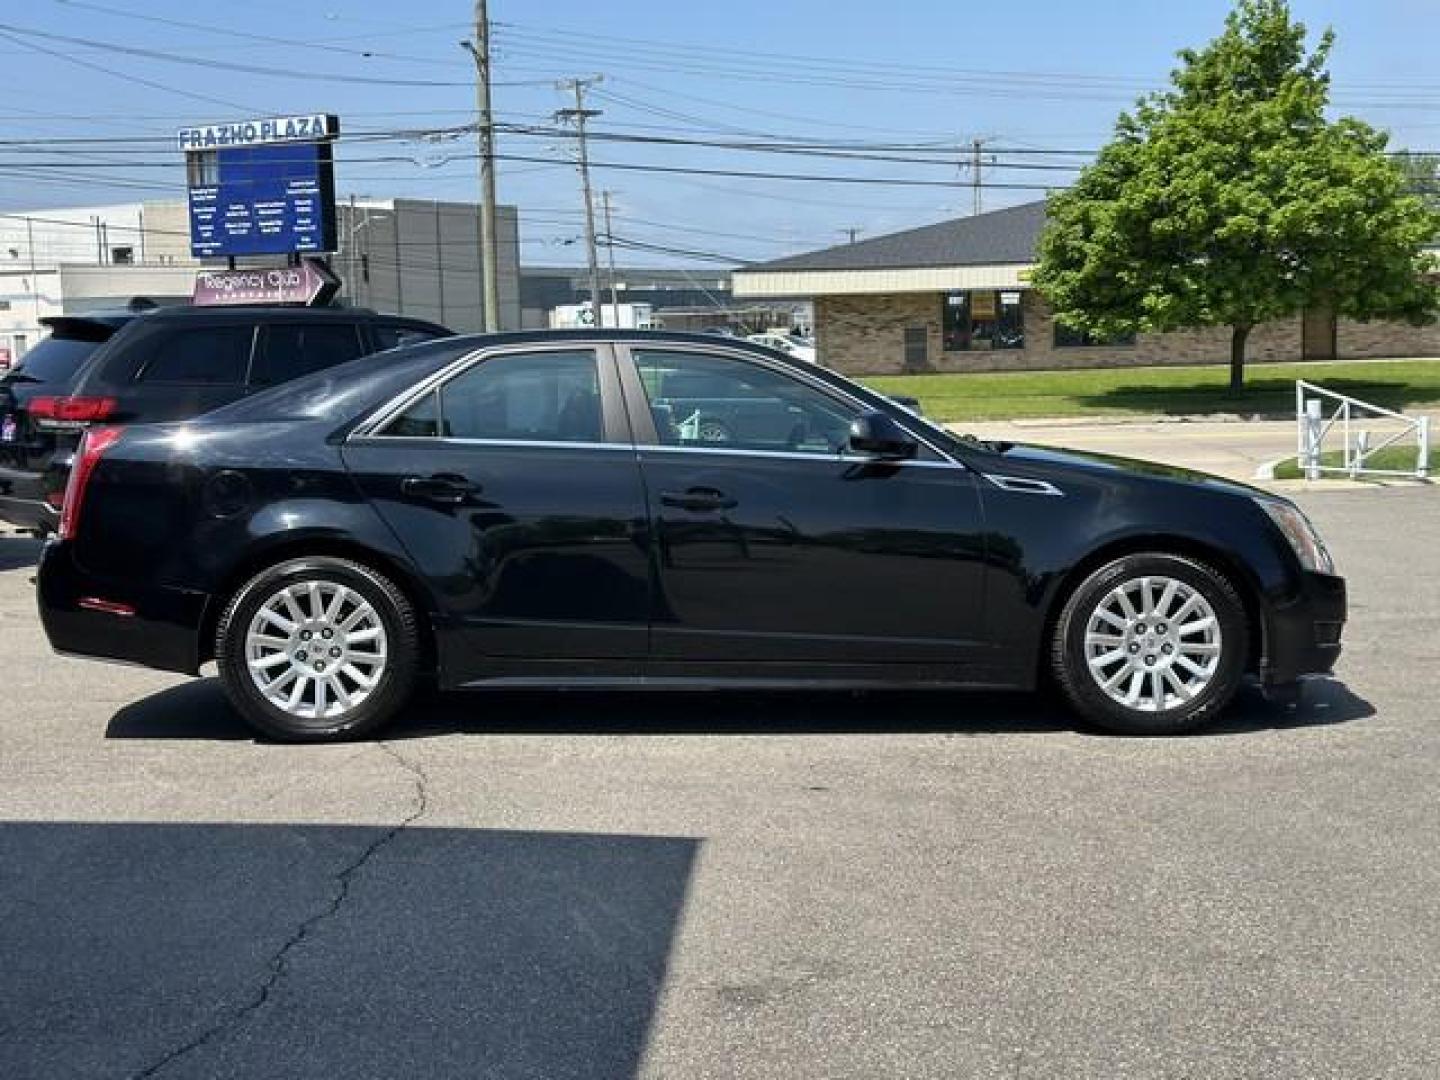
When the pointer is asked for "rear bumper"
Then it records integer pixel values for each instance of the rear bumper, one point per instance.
(25, 493)
(1303, 636)
(163, 632)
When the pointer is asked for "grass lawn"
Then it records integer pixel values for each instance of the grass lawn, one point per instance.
(1173, 391)
(1392, 457)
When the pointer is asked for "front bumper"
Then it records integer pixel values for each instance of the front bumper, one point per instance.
(1302, 636)
(162, 632)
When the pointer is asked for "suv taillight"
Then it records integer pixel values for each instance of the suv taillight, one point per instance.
(82, 410)
(93, 444)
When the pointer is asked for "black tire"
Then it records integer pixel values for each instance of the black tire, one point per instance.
(1083, 691)
(396, 682)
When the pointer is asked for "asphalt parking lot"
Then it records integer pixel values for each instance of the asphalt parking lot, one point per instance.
(556, 886)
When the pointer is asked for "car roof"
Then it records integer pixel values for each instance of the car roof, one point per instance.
(626, 337)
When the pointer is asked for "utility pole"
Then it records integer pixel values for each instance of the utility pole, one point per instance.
(485, 132)
(977, 166)
(610, 249)
(852, 232)
(580, 114)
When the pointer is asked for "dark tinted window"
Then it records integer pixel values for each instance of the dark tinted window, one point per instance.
(210, 355)
(56, 359)
(296, 349)
(397, 335)
(540, 397)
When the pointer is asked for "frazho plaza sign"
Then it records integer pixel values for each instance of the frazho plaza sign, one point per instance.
(313, 127)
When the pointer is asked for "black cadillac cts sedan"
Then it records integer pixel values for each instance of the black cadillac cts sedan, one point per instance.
(657, 509)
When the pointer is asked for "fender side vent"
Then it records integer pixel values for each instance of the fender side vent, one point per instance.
(1023, 485)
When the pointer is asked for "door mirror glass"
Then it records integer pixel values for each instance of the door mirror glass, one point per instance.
(876, 434)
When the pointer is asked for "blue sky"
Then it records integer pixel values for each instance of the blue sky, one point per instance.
(910, 73)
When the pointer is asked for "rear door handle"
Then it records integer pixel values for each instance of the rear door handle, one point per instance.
(440, 488)
(698, 498)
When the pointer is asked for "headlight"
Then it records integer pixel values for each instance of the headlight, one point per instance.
(1309, 548)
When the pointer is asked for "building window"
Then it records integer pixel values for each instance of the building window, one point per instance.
(1067, 337)
(122, 256)
(983, 319)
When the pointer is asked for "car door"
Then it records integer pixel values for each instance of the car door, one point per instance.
(776, 549)
(511, 481)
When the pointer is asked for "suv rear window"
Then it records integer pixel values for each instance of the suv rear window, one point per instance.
(291, 350)
(56, 359)
(209, 355)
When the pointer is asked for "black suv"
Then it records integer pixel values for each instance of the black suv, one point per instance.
(162, 364)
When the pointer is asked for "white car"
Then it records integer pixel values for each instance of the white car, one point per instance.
(786, 344)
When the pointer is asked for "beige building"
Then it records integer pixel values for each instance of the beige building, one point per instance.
(957, 297)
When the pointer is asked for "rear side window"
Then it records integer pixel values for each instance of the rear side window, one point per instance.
(398, 335)
(208, 355)
(524, 397)
(291, 350)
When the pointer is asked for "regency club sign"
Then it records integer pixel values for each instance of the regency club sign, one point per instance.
(315, 127)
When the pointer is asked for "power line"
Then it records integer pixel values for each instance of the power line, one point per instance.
(218, 65)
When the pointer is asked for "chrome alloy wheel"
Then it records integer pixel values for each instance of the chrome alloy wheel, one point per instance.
(316, 649)
(1153, 643)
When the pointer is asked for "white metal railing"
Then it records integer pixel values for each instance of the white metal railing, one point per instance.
(1349, 417)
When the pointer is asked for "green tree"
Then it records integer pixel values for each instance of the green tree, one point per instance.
(1229, 200)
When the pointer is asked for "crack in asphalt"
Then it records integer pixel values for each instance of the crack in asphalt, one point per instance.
(279, 960)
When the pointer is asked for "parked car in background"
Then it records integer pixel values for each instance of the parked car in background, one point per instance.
(519, 509)
(785, 343)
(160, 364)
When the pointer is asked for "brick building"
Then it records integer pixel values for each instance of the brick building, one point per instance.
(956, 297)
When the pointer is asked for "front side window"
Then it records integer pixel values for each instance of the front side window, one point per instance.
(700, 399)
(520, 397)
(211, 355)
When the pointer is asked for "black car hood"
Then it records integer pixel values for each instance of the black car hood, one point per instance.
(1086, 461)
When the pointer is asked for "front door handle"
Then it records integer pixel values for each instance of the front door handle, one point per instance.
(448, 488)
(698, 498)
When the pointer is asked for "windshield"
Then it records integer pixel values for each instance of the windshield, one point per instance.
(54, 360)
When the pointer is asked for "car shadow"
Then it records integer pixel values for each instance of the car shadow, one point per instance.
(17, 551)
(199, 710)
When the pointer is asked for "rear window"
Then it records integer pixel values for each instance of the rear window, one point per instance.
(343, 392)
(56, 359)
(209, 355)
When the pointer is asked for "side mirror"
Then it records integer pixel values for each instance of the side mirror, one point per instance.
(876, 434)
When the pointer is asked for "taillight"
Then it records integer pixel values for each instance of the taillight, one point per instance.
(78, 410)
(93, 444)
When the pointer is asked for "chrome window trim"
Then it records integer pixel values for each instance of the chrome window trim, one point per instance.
(796, 455)
(504, 444)
(369, 428)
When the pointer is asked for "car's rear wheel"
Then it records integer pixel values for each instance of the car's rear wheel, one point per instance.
(1151, 644)
(318, 649)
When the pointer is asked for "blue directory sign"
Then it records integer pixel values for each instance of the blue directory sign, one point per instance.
(260, 197)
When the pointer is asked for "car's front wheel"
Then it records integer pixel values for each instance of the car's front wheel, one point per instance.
(318, 649)
(1151, 644)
